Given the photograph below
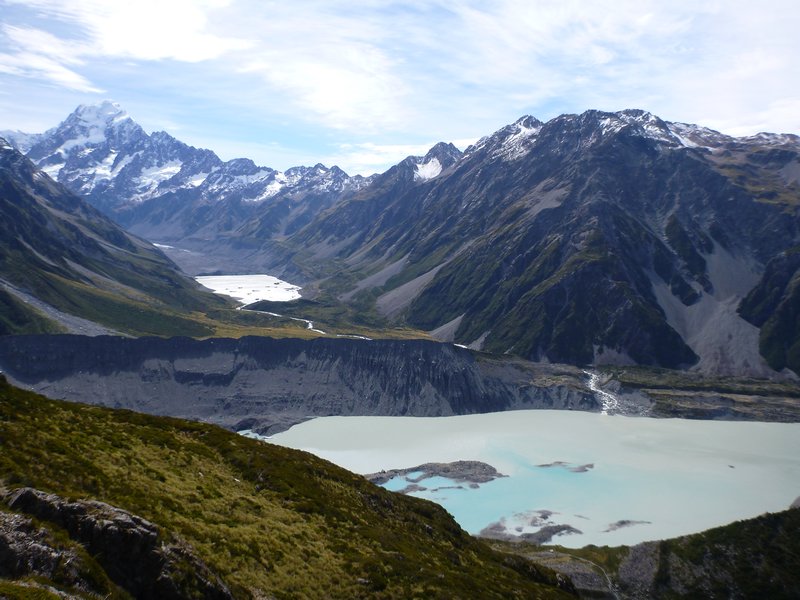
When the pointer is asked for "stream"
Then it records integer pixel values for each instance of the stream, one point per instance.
(609, 401)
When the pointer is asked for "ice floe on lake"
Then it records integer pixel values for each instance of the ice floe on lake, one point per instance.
(251, 288)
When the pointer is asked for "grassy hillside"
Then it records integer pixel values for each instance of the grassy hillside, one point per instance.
(18, 318)
(270, 521)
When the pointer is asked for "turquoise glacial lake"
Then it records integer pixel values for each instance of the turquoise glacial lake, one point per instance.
(613, 479)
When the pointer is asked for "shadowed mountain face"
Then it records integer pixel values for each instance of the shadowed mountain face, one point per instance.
(600, 238)
(56, 248)
(593, 238)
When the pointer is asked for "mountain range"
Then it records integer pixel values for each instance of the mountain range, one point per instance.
(599, 238)
(64, 265)
(593, 239)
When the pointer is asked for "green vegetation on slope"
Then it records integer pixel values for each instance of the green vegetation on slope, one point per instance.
(752, 559)
(757, 558)
(652, 378)
(18, 318)
(774, 306)
(334, 317)
(268, 520)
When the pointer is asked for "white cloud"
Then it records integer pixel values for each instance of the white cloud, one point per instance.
(41, 55)
(353, 72)
(143, 30)
(351, 89)
(367, 158)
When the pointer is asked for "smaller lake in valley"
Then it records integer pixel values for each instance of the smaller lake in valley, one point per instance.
(589, 478)
(251, 288)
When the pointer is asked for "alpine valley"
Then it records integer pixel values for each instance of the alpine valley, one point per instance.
(600, 238)
(607, 261)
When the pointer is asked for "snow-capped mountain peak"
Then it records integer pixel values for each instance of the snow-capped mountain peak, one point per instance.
(510, 142)
(19, 140)
(101, 153)
(693, 136)
(100, 114)
(773, 139)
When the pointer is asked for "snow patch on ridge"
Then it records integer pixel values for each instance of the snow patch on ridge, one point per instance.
(197, 179)
(428, 170)
(516, 145)
(53, 170)
(272, 189)
(151, 177)
(245, 180)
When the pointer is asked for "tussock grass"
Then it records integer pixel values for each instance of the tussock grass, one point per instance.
(268, 520)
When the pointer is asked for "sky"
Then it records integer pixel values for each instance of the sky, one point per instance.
(364, 83)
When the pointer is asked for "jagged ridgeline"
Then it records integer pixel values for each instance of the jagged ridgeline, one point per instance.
(599, 238)
(592, 238)
(207, 513)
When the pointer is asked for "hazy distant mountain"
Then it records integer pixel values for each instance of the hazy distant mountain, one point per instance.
(593, 238)
(70, 259)
(165, 190)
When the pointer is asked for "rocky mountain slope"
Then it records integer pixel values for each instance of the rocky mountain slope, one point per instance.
(600, 238)
(756, 558)
(205, 513)
(268, 384)
(593, 238)
(61, 255)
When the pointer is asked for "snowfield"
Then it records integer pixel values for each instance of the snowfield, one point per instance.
(251, 288)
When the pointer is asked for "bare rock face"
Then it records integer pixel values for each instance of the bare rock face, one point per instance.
(26, 549)
(129, 548)
(267, 384)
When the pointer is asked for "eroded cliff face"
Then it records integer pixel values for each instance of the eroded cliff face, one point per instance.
(269, 384)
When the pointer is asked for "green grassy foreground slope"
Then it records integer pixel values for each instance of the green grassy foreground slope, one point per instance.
(269, 521)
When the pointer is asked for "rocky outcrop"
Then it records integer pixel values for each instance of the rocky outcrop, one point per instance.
(26, 549)
(747, 559)
(460, 471)
(130, 549)
(267, 384)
